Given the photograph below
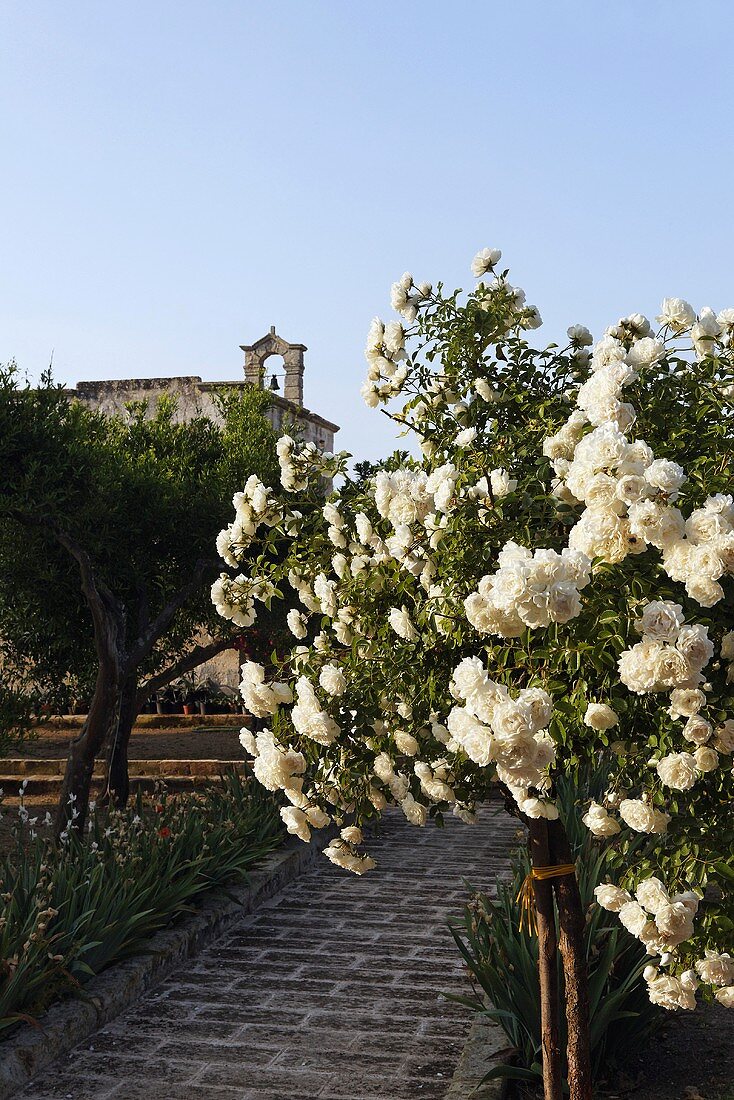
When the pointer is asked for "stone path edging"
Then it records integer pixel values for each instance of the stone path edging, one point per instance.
(68, 1023)
(483, 1043)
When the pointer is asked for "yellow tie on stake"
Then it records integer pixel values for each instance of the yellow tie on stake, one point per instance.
(526, 893)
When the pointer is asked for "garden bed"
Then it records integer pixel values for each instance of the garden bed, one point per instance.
(28, 1050)
(69, 912)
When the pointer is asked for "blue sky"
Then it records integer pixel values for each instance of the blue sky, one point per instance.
(178, 176)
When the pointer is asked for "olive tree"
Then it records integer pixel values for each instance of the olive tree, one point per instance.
(107, 554)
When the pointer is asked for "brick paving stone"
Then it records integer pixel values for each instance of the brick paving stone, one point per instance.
(332, 991)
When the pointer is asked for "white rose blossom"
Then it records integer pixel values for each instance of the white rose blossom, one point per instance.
(600, 716)
(599, 822)
(485, 261)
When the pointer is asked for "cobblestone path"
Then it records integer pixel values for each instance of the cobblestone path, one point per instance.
(332, 990)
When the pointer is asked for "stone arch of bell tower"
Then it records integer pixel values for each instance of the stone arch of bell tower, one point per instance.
(255, 358)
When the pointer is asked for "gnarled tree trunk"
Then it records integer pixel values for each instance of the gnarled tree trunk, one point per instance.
(109, 626)
(134, 696)
(101, 720)
(117, 783)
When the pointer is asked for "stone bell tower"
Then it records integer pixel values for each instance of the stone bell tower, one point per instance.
(256, 355)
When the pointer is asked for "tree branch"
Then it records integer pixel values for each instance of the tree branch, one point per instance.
(187, 663)
(162, 621)
(104, 608)
(143, 605)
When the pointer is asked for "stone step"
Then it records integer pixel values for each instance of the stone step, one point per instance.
(154, 721)
(177, 775)
(49, 786)
(27, 767)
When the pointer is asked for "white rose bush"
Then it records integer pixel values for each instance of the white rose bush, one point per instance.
(550, 582)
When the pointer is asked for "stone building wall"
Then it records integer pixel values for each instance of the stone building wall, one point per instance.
(196, 398)
(224, 670)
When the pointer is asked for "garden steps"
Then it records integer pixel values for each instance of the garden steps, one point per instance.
(152, 721)
(27, 766)
(45, 776)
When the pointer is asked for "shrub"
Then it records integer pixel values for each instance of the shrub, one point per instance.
(503, 958)
(550, 580)
(69, 911)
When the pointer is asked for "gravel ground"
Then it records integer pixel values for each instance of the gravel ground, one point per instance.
(690, 1058)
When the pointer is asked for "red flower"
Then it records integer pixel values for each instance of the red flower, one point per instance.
(164, 832)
